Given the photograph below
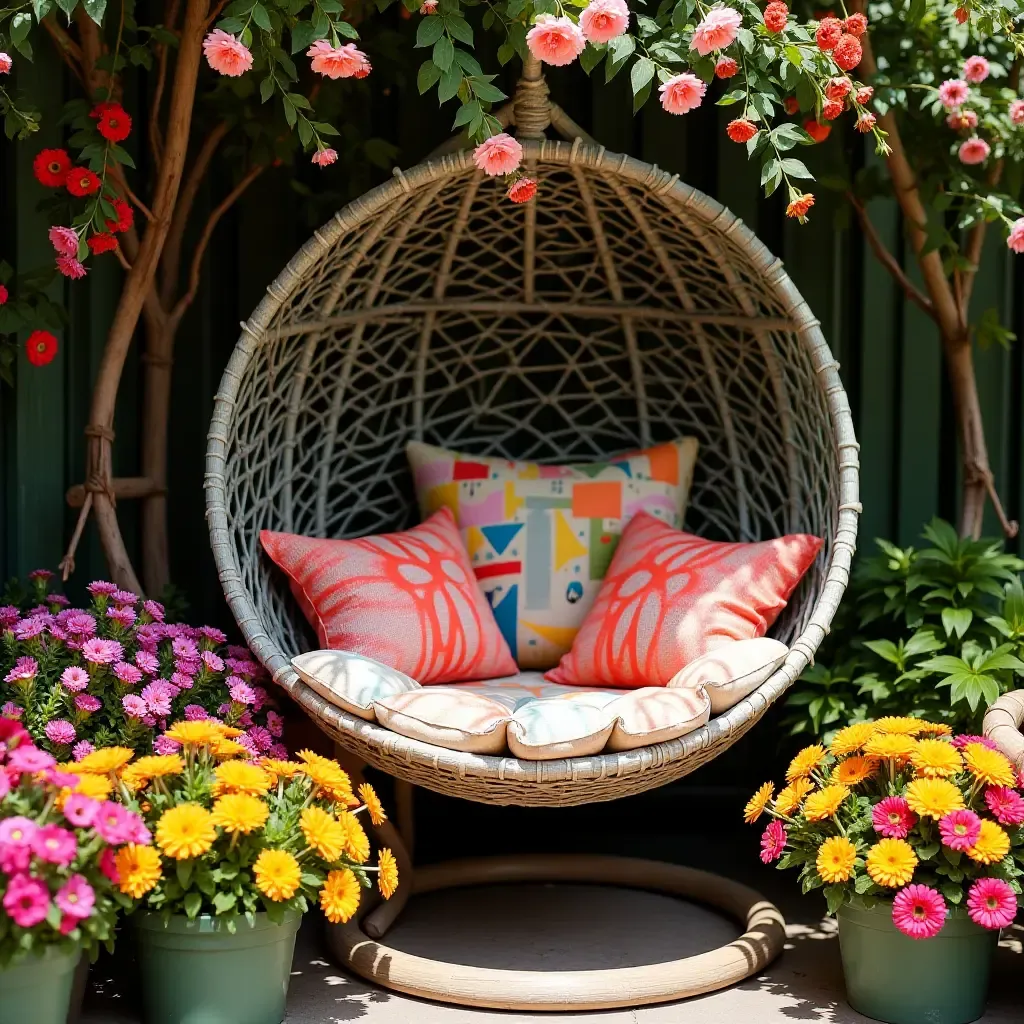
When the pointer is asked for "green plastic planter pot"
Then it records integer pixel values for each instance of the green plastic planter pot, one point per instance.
(38, 988)
(899, 980)
(197, 972)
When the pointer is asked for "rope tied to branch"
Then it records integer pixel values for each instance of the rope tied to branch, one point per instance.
(98, 480)
(532, 105)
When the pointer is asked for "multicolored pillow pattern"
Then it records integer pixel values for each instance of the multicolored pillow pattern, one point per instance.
(408, 600)
(540, 537)
(670, 597)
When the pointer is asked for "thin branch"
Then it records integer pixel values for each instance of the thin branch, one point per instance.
(204, 239)
(887, 259)
(120, 259)
(70, 52)
(973, 250)
(216, 12)
(156, 140)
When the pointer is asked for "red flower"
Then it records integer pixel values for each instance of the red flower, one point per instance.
(51, 167)
(866, 122)
(856, 24)
(961, 14)
(775, 16)
(125, 216)
(3, 294)
(831, 110)
(741, 130)
(522, 190)
(830, 31)
(40, 348)
(798, 207)
(81, 181)
(791, 105)
(726, 67)
(115, 124)
(101, 242)
(818, 132)
(838, 88)
(848, 52)
(864, 94)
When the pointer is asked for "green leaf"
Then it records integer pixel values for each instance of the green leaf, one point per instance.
(224, 902)
(183, 869)
(427, 76)
(591, 57)
(956, 620)
(430, 29)
(459, 28)
(835, 896)
(641, 74)
(729, 98)
(303, 35)
(467, 113)
(122, 156)
(487, 92)
(41, 8)
(863, 884)
(929, 851)
(795, 168)
(507, 51)
(444, 53)
(95, 9)
(193, 903)
(884, 649)
(266, 89)
(67, 6)
(449, 84)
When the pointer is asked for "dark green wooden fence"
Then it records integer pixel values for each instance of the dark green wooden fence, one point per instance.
(891, 361)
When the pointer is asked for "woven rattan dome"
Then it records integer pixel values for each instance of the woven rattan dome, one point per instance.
(619, 308)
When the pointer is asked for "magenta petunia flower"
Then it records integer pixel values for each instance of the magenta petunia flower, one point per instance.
(55, 845)
(74, 679)
(27, 758)
(80, 810)
(88, 703)
(114, 824)
(17, 831)
(127, 673)
(1006, 805)
(134, 705)
(893, 818)
(83, 748)
(60, 730)
(101, 588)
(992, 903)
(773, 842)
(919, 911)
(27, 901)
(959, 830)
(75, 898)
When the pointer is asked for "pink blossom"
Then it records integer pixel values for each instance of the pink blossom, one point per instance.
(964, 740)
(976, 69)
(953, 92)
(124, 597)
(212, 633)
(114, 824)
(241, 692)
(226, 54)
(992, 903)
(195, 713)
(101, 588)
(343, 61)
(64, 240)
(5, 64)
(717, 30)
(261, 738)
(1006, 805)
(134, 706)
(211, 661)
(5, 783)
(1015, 239)
(79, 623)
(82, 749)
(555, 41)
(959, 120)
(108, 864)
(1017, 112)
(26, 901)
(157, 698)
(324, 157)
(57, 599)
(500, 154)
(60, 731)
(428, 7)
(55, 845)
(12, 710)
(146, 662)
(75, 898)
(959, 830)
(163, 745)
(893, 818)
(279, 752)
(102, 652)
(17, 832)
(974, 151)
(154, 609)
(9, 615)
(122, 616)
(919, 911)
(182, 680)
(30, 628)
(70, 267)
(773, 842)
(682, 93)
(127, 673)
(181, 647)
(275, 723)
(30, 759)
(74, 679)
(24, 669)
(604, 20)
(80, 810)
(87, 703)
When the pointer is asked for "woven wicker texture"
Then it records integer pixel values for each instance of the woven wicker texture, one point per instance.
(620, 308)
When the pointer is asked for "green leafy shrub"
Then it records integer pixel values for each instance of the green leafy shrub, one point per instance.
(936, 633)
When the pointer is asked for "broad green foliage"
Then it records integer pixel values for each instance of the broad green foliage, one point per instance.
(936, 633)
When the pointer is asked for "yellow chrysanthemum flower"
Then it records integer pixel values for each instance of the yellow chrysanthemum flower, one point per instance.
(989, 766)
(96, 787)
(891, 863)
(329, 776)
(185, 831)
(854, 770)
(790, 798)
(104, 761)
(280, 769)
(202, 733)
(242, 777)
(229, 748)
(934, 798)
(805, 762)
(324, 833)
(240, 813)
(373, 805)
(900, 725)
(357, 845)
(891, 746)
(851, 739)
(936, 759)
(138, 869)
(155, 766)
(935, 729)
(277, 874)
(339, 897)
(992, 845)
(757, 804)
(825, 803)
(836, 858)
(387, 877)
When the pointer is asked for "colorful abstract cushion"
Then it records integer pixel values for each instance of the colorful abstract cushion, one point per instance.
(541, 537)
(408, 600)
(670, 597)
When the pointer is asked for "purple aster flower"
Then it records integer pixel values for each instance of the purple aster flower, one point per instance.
(102, 652)
(245, 719)
(79, 624)
(42, 575)
(122, 616)
(88, 703)
(24, 669)
(212, 662)
(262, 697)
(127, 673)
(212, 633)
(147, 662)
(163, 745)
(12, 710)
(261, 738)
(41, 611)
(182, 681)
(30, 627)
(242, 667)
(195, 713)
(182, 648)
(149, 635)
(279, 752)
(241, 692)
(175, 630)
(246, 741)
(9, 615)
(157, 698)
(961, 741)
(74, 679)
(187, 666)
(124, 597)
(101, 588)
(82, 749)
(57, 599)
(154, 609)
(27, 758)
(134, 706)
(238, 651)
(60, 731)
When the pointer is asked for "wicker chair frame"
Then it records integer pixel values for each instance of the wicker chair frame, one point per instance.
(620, 308)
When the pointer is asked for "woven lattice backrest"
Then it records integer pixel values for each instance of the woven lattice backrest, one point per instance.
(618, 309)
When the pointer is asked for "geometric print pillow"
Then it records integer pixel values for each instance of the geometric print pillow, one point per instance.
(408, 600)
(540, 538)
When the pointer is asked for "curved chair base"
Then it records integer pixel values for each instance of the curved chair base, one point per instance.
(462, 985)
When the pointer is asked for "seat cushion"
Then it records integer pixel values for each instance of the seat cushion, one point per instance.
(447, 717)
(408, 600)
(351, 681)
(670, 598)
(733, 671)
(540, 538)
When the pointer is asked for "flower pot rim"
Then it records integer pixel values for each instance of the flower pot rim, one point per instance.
(879, 917)
(154, 921)
(50, 952)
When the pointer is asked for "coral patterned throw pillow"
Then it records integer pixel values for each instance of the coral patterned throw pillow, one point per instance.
(408, 600)
(670, 597)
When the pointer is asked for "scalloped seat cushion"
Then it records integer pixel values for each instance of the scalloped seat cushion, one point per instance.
(733, 671)
(541, 537)
(351, 681)
(670, 597)
(408, 599)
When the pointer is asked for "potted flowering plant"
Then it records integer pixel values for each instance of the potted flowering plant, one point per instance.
(115, 674)
(58, 849)
(241, 848)
(914, 834)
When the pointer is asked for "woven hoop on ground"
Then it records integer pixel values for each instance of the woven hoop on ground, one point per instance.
(620, 308)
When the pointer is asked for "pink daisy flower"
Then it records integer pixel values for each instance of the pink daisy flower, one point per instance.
(343, 61)
(30, 628)
(962, 741)
(134, 706)
(953, 92)
(64, 241)
(60, 731)
(154, 609)
(195, 713)
(75, 898)
(974, 151)
(27, 901)
(1006, 805)
(9, 615)
(959, 830)
(82, 749)
(717, 30)
(164, 745)
(555, 41)
(182, 680)
(79, 624)
(212, 633)
(55, 845)
(893, 818)
(773, 842)
(182, 647)
(101, 588)
(147, 662)
(919, 911)
(114, 824)
(87, 703)
(682, 93)
(80, 810)
(992, 903)
(1015, 239)
(226, 54)
(242, 693)
(122, 616)
(211, 661)
(129, 674)
(604, 20)
(24, 669)
(27, 758)
(275, 723)
(12, 710)
(976, 69)
(74, 679)
(1017, 112)
(500, 154)
(102, 652)
(124, 597)
(261, 738)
